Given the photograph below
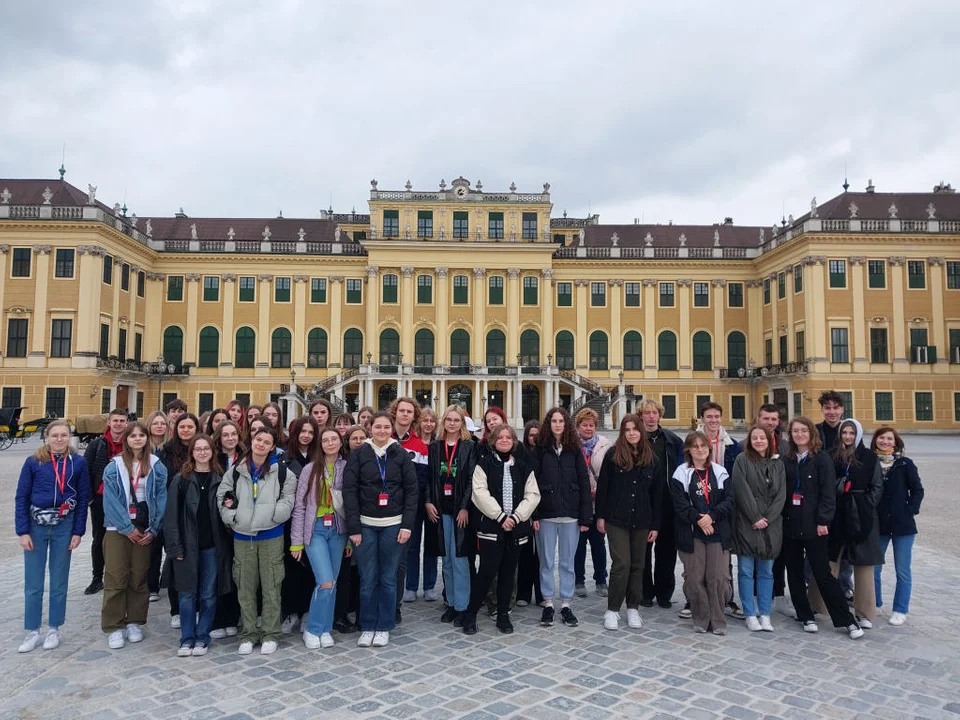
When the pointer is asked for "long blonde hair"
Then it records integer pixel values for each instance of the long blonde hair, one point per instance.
(42, 455)
(441, 433)
(166, 436)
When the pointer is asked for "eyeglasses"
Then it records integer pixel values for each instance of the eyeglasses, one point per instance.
(202, 450)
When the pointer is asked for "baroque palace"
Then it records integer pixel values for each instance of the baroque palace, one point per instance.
(459, 294)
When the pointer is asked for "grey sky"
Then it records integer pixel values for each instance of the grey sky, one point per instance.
(683, 111)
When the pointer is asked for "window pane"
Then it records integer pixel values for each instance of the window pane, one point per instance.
(669, 403)
(667, 351)
(798, 278)
(495, 229)
(281, 289)
(247, 289)
(495, 285)
(883, 406)
(391, 223)
(766, 292)
(702, 351)
(923, 406)
(317, 348)
(838, 273)
(666, 294)
(173, 346)
(423, 348)
(632, 351)
(565, 350)
(56, 402)
(564, 294)
(496, 349)
(21, 263)
(61, 338)
(17, 337)
(125, 277)
(280, 347)
(953, 275)
(529, 348)
(390, 288)
(877, 273)
(701, 295)
(916, 274)
(838, 342)
(424, 289)
(632, 294)
(175, 288)
(318, 290)
(209, 355)
(735, 294)
(461, 289)
(461, 225)
(141, 283)
(246, 346)
(878, 345)
(738, 407)
(354, 291)
(459, 348)
(598, 350)
(64, 263)
(736, 350)
(781, 285)
(801, 348)
(424, 223)
(530, 291)
(211, 288)
(529, 226)
(598, 294)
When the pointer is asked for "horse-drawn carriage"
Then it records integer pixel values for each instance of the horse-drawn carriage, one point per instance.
(12, 431)
(89, 427)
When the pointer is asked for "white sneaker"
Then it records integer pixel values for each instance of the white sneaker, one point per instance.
(753, 625)
(611, 620)
(175, 622)
(115, 640)
(30, 642)
(289, 623)
(864, 623)
(311, 641)
(431, 595)
(765, 623)
(633, 619)
(200, 650)
(897, 619)
(218, 634)
(269, 647)
(381, 638)
(134, 633)
(52, 640)
(365, 639)
(326, 640)
(409, 595)
(154, 597)
(810, 626)
(184, 651)
(231, 630)
(784, 607)
(245, 648)
(855, 631)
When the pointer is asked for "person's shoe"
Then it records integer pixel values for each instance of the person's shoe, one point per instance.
(522, 603)
(897, 619)
(231, 630)
(115, 640)
(686, 613)
(289, 624)
(398, 618)
(310, 641)
(719, 631)
(448, 615)
(154, 596)
(185, 650)
(52, 640)
(646, 602)
(864, 623)
(665, 604)
(580, 590)
(218, 634)
(734, 611)
(546, 618)
(699, 630)
(269, 647)
(855, 631)
(753, 625)
(431, 595)
(365, 639)
(409, 595)
(611, 620)
(492, 612)
(567, 617)
(326, 640)
(381, 638)
(31, 641)
(134, 633)
(810, 626)
(344, 626)
(634, 621)
(784, 607)
(94, 587)
(765, 623)
(503, 624)
(199, 650)
(175, 622)
(602, 590)
(849, 596)
(469, 622)
(458, 618)
(245, 648)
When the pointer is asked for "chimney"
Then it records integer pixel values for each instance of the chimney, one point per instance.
(870, 187)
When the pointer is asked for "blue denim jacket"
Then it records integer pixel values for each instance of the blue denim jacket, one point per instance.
(115, 483)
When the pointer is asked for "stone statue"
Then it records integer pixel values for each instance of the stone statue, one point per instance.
(580, 236)
(931, 212)
(373, 184)
(893, 211)
(813, 208)
(648, 240)
(5, 196)
(854, 210)
(266, 232)
(716, 238)
(761, 236)
(91, 194)
(149, 228)
(336, 234)
(546, 188)
(193, 231)
(683, 240)
(614, 239)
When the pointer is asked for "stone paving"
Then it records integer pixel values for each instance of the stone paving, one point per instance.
(430, 670)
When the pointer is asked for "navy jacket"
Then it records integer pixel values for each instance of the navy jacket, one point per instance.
(900, 503)
(564, 485)
(38, 486)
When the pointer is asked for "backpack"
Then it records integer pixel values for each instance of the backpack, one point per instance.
(282, 467)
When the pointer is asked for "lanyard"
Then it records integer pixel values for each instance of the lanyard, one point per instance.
(134, 481)
(450, 454)
(715, 447)
(60, 474)
(704, 481)
(382, 467)
(255, 474)
(800, 464)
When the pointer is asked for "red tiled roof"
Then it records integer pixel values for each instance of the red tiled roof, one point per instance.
(179, 228)
(876, 206)
(30, 192)
(669, 235)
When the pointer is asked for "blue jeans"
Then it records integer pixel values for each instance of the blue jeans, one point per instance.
(552, 534)
(53, 540)
(378, 557)
(902, 557)
(598, 552)
(456, 570)
(193, 631)
(747, 569)
(325, 552)
(413, 557)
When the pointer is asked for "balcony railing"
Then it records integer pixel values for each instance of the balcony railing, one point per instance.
(133, 366)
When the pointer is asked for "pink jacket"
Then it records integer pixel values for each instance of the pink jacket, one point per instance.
(304, 516)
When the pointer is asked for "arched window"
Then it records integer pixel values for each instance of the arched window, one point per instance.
(530, 403)
(632, 351)
(598, 350)
(459, 348)
(389, 347)
(352, 348)
(460, 395)
(702, 351)
(246, 348)
(423, 348)
(209, 356)
(317, 348)
(496, 349)
(173, 346)
(564, 350)
(386, 395)
(530, 348)
(667, 351)
(280, 345)
(736, 351)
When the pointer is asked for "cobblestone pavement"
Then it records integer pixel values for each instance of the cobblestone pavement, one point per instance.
(432, 671)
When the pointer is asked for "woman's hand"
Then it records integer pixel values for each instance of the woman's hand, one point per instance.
(295, 554)
(601, 526)
(356, 540)
(403, 536)
(228, 503)
(536, 526)
(652, 535)
(761, 524)
(704, 522)
(508, 524)
(145, 538)
(822, 530)
(26, 542)
(135, 536)
(463, 517)
(432, 513)
(74, 543)
(584, 528)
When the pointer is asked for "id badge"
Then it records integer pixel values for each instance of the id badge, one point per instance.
(448, 489)
(132, 511)
(64, 509)
(328, 520)
(383, 499)
(797, 499)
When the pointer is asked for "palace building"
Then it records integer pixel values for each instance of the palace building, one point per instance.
(460, 294)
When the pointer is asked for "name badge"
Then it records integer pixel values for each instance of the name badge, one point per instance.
(64, 510)
(132, 511)
(328, 520)
(448, 489)
(797, 499)
(383, 499)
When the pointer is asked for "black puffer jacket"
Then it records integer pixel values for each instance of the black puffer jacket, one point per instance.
(362, 487)
(857, 510)
(816, 482)
(466, 462)
(564, 485)
(632, 498)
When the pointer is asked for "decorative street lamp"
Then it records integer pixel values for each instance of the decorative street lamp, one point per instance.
(749, 373)
(158, 370)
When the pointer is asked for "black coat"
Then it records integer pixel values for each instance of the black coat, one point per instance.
(180, 535)
(856, 527)
(491, 467)
(362, 487)
(818, 486)
(564, 485)
(466, 461)
(630, 499)
(721, 507)
(97, 456)
(900, 503)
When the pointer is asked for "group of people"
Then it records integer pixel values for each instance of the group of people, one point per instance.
(268, 529)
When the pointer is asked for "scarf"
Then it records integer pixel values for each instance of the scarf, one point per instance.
(588, 446)
(886, 460)
(114, 448)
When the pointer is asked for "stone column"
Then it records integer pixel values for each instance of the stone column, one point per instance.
(791, 332)
(228, 286)
(774, 322)
(860, 352)
(88, 304)
(4, 250)
(547, 300)
(720, 359)
(582, 341)
(335, 339)
(755, 314)
(443, 301)
(190, 334)
(616, 339)
(153, 325)
(479, 321)
(115, 312)
(684, 341)
(935, 265)
(817, 327)
(299, 357)
(372, 302)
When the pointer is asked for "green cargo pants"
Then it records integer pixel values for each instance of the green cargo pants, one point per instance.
(258, 565)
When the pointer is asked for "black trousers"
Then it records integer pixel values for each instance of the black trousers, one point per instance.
(659, 567)
(818, 557)
(156, 564)
(348, 590)
(498, 559)
(98, 531)
(528, 573)
(298, 584)
(228, 611)
(780, 573)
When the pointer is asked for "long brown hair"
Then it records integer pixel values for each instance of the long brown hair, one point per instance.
(126, 456)
(190, 465)
(293, 441)
(842, 454)
(627, 456)
(321, 485)
(748, 445)
(815, 442)
(568, 441)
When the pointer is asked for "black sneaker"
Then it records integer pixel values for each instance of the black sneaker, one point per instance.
(94, 587)
(665, 604)
(568, 618)
(469, 623)
(503, 624)
(458, 618)
(448, 615)
(492, 612)
(344, 626)
(646, 602)
(546, 619)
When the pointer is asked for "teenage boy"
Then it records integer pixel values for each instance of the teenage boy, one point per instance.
(831, 405)
(176, 408)
(768, 417)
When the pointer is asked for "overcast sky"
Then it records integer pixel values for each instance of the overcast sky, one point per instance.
(682, 111)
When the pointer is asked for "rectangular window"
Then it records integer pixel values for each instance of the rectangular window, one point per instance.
(495, 290)
(243, 399)
(318, 290)
(530, 291)
(529, 226)
(495, 225)
(701, 294)
(425, 223)
(735, 294)
(12, 397)
(211, 288)
(104, 341)
(140, 396)
(781, 285)
(205, 402)
(354, 291)
(918, 345)
(783, 350)
(798, 279)
(923, 406)
(389, 288)
(391, 223)
(17, 337)
(559, 238)
(954, 346)
(61, 338)
(108, 270)
(738, 407)
(138, 347)
(847, 403)
(798, 403)
(878, 345)
(461, 225)
(953, 275)
(766, 292)
(631, 296)
(768, 351)
(141, 283)
(838, 273)
(883, 406)
(281, 289)
(839, 351)
(105, 400)
(876, 274)
(56, 402)
(669, 403)
(21, 263)
(424, 289)
(122, 344)
(700, 401)
(248, 289)
(916, 274)
(461, 289)
(564, 294)
(63, 267)
(125, 277)
(168, 397)
(598, 294)
(956, 407)
(801, 350)
(666, 294)
(175, 288)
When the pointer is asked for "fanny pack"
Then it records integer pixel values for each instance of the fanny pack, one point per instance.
(51, 517)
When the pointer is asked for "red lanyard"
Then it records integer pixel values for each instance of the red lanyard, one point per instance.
(134, 484)
(704, 484)
(61, 474)
(451, 455)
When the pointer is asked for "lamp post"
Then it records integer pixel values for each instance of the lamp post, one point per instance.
(159, 370)
(749, 373)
